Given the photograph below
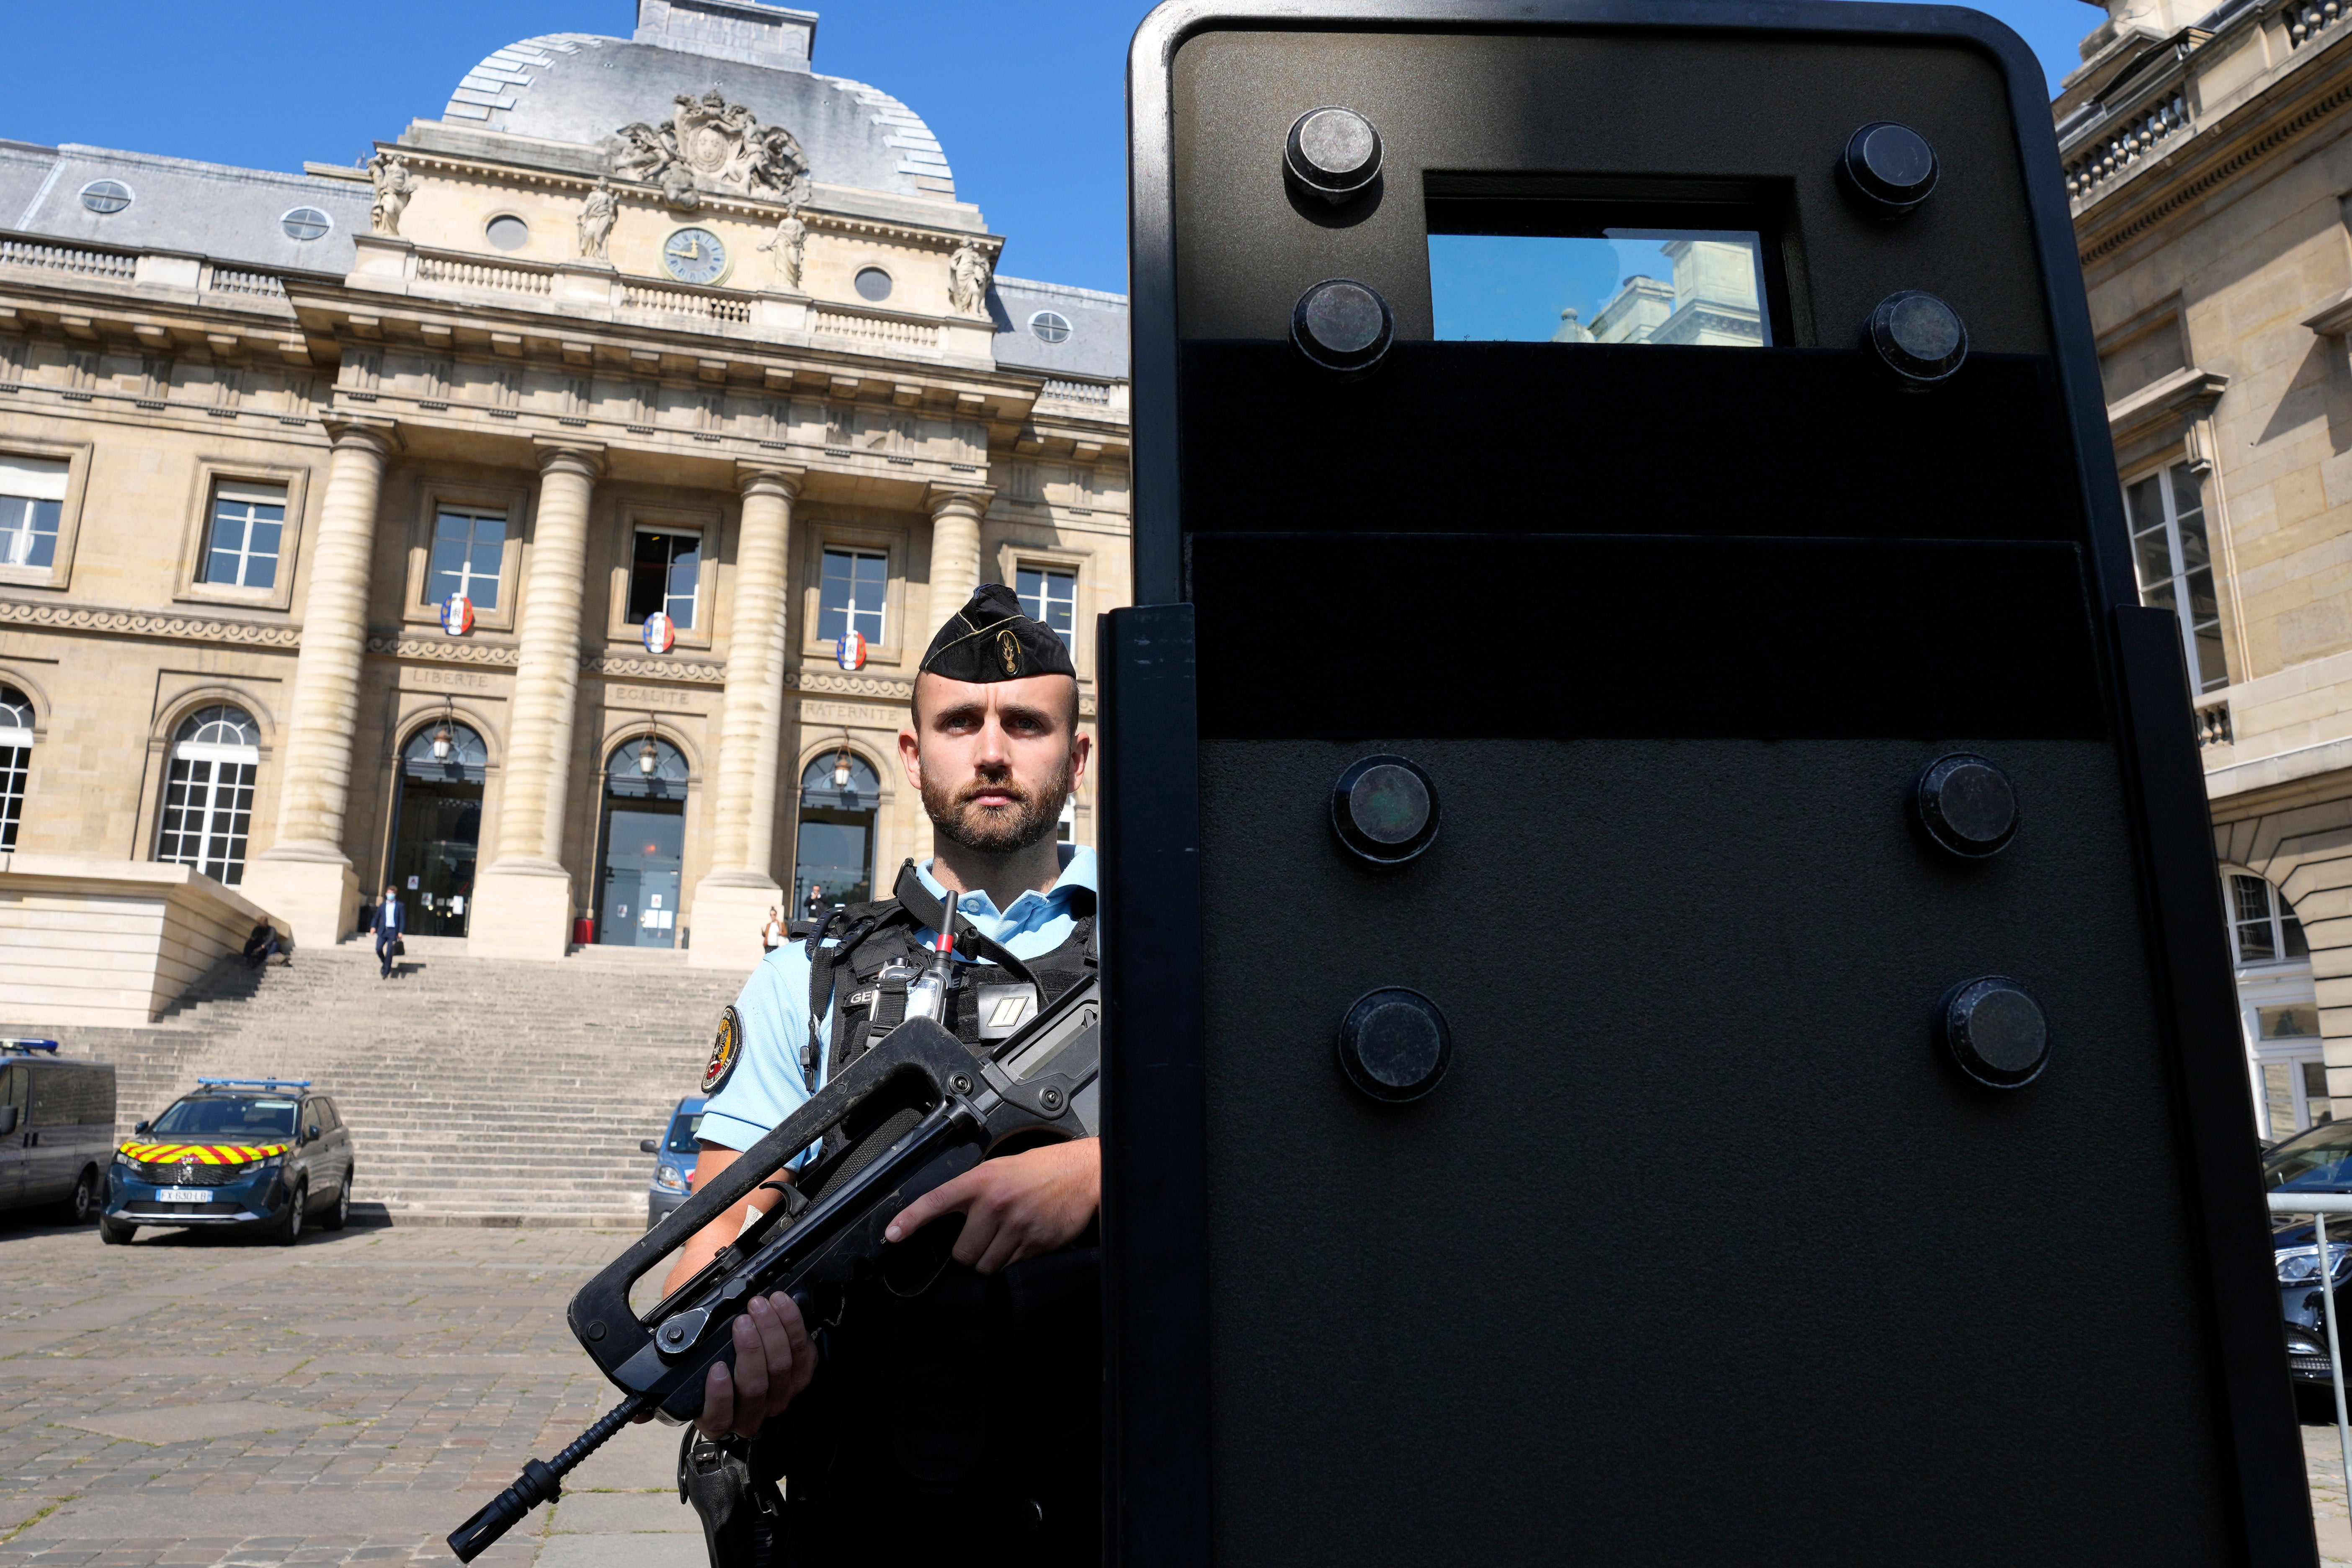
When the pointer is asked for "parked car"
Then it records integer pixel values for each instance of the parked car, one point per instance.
(2318, 1160)
(673, 1153)
(257, 1155)
(56, 1122)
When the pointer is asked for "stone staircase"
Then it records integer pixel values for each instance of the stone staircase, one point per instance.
(477, 1090)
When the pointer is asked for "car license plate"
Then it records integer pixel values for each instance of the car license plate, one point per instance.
(183, 1195)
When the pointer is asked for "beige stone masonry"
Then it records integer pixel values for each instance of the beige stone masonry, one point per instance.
(522, 901)
(955, 558)
(91, 939)
(304, 875)
(731, 903)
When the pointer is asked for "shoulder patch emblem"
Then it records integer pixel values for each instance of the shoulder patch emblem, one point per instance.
(1008, 649)
(725, 1051)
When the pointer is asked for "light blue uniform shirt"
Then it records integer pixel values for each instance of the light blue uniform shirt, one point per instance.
(767, 1084)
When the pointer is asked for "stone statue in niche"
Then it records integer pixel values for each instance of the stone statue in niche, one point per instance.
(968, 279)
(394, 185)
(710, 144)
(789, 244)
(596, 221)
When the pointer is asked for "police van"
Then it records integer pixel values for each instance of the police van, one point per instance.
(251, 1154)
(56, 1122)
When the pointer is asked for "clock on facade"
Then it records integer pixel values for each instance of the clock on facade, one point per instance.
(695, 255)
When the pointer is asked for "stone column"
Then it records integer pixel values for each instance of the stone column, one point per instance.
(955, 561)
(731, 902)
(522, 903)
(304, 877)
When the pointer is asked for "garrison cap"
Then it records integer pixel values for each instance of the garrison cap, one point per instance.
(990, 639)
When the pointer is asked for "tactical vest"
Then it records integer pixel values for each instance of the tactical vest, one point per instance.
(949, 1389)
(862, 978)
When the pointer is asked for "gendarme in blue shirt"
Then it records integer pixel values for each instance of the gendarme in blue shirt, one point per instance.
(768, 1085)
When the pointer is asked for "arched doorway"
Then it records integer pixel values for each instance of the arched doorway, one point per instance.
(440, 827)
(2278, 1005)
(839, 797)
(15, 760)
(208, 795)
(645, 845)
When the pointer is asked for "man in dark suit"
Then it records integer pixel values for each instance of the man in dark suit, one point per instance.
(391, 920)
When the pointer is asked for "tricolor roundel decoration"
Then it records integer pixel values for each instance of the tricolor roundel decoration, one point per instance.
(724, 1051)
(661, 633)
(457, 615)
(850, 651)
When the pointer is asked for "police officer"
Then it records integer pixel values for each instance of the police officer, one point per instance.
(953, 1406)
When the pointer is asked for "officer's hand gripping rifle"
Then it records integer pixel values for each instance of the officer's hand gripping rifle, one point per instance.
(915, 1112)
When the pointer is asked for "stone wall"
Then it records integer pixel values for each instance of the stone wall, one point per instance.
(89, 941)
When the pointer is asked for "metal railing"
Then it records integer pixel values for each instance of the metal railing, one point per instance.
(2319, 1205)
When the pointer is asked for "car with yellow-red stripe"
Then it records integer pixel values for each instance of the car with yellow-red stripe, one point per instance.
(267, 1155)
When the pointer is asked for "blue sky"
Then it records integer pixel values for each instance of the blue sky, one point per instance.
(1028, 96)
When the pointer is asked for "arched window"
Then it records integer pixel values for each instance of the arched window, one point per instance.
(440, 825)
(208, 800)
(628, 772)
(2263, 927)
(466, 758)
(839, 797)
(15, 760)
(643, 876)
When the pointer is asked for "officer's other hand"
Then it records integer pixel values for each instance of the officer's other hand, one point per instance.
(1016, 1207)
(773, 1361)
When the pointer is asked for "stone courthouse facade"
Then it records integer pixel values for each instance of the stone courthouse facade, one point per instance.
(2208, 153)
(546, 517)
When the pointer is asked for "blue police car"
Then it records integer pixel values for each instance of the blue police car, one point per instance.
(246, 1155)
(673, 1153)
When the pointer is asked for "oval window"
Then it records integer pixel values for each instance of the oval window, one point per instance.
(873, 284)
(306, 223)
(106, 195)
(507, 232)
(1051, 327)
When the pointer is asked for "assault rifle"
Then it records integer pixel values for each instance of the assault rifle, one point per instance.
(914, 1112)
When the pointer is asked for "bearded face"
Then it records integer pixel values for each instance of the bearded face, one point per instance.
(995, 816)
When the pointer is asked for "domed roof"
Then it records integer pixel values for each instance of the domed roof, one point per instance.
(579, 88)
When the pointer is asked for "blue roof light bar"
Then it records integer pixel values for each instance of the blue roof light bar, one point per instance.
(26, 1043)
(254, 1082)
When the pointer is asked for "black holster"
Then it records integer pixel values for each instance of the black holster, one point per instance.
(743, 1515)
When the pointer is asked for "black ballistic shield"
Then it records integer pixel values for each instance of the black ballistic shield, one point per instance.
(1665, 989)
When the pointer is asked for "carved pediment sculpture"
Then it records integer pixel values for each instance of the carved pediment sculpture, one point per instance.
(710, 144)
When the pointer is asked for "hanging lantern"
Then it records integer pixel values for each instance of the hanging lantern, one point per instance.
(661, 633)
(850, 651)
(443, 743)
(457, 615)
(648, 757)
(841, 769)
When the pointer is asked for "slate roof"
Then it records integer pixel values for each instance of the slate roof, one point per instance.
(177, 204)
(579, 88)
(1096, 347)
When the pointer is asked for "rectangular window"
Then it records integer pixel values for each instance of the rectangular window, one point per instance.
(665, 573)
(241, 550)
(2295, 1021)
(1050, 598)
(2176, 568)
(208, 814)
(467, 548)
(857, 584)
(32, 495)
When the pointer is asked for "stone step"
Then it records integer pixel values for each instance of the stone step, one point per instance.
(477, 1090)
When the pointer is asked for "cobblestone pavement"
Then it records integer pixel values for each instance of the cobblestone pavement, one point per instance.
(194, 1400)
